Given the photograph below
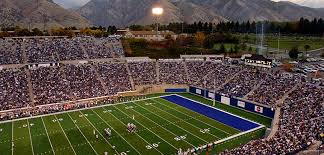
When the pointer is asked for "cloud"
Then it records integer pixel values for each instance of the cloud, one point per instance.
(309, 3)
(71, 3)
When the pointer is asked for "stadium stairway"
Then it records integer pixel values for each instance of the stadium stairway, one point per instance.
(130, 75)
(284, 97)
(275, 123)
(100, 79)
(253, 89)
(276, 119)
(157, 72)
(229, 79)
(30, 87)
(186, 69)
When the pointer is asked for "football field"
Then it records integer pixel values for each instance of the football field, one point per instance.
(163, 127)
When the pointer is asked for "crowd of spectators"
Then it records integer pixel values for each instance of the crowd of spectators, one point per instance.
(279, 82)
(199, 69)
(172, 72)
(49, 109)
(220, 75)
(115, 77)
(301, 124)
(49, 85)
(10, 52)
(69, 49)
(13, 89)
(40, 51)
(83, 81)
(143, 72)
(243, 82)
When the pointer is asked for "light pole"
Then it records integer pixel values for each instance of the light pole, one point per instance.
(157, 11)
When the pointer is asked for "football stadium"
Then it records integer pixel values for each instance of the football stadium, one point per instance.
(161, 77)
(57, 100)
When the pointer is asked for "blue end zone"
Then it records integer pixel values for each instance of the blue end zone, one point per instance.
(225, 118)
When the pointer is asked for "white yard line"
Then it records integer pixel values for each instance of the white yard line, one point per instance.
(194, 117)
(136, 133)
(65, 134)
(49, 139)
(175, 125)
(30, 137)
(82, 134)
(148, 129)
(99, 132)
(162, 127)
(116, 132)
(186, 121)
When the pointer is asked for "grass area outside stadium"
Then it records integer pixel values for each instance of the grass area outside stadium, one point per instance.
(163, 127)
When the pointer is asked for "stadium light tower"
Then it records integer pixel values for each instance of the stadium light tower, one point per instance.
(157, 12)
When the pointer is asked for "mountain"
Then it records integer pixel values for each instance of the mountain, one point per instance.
(33, 13)
(127, 12)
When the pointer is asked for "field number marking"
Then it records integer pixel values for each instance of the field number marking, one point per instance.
(178, 138)
(151, 146)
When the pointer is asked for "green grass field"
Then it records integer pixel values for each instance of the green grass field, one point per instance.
(162, 128)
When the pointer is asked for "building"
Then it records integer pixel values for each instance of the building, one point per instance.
(147, 35)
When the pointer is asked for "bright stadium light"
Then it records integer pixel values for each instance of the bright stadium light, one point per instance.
(157, 11)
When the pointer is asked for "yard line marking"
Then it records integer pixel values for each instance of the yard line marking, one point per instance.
(162, 126)
(48, 136)
(192, 117)
(82, 133)
(137, 134)
(116, 132)
(30, 138)
(12, 138)
(185, 121)
(175, 125)
(65, 134)
(147, 129)
(99, 133)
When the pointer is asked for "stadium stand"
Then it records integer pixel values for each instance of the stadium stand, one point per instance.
(10, 52)
(115, 77)
(143, 72)
(172, 71)
(13, 89)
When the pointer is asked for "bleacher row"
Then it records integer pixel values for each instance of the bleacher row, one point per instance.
(67, 82)
(18, 51)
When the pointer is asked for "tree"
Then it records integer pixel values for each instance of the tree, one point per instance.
(293, 53)
(236, 48)
(199, 39)
(222, 48)
(37, 32)
(250, 49)
(243, 46)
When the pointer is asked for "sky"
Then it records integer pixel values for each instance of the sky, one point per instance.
(78, 3)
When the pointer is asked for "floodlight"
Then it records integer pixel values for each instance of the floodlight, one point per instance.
(157, 11)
